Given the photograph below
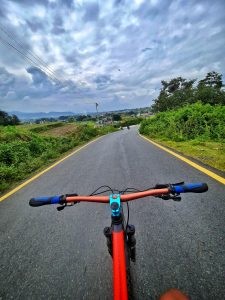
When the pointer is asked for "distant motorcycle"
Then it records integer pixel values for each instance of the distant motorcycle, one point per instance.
(128, 127)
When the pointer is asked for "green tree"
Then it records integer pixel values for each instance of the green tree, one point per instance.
(5, 119)
(116, 117)
(179, 92)
(14, 120)
(174, 93)
(209, 89)
(81, 118)
(212, 80)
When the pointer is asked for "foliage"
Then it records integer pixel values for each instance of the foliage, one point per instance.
(212, 79)
(189, 122)
(5, 119)
(130, 121)
(22, 151)
(116, 117)
(179, 91)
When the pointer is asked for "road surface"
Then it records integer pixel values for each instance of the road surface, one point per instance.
(46, 254)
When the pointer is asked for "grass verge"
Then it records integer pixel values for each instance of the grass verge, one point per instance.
(210, 153)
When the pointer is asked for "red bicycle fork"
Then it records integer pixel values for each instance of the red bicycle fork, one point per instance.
(119, 264)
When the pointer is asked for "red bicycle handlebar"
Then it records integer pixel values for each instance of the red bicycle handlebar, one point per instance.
(123, 198)
(175, 189)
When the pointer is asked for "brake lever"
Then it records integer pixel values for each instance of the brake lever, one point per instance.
(60, 208)
(167, 185)
(175, 197)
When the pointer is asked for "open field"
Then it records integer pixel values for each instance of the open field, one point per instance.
(61, 130)
(41, 127)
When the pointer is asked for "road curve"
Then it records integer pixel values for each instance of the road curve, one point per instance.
(46, 254)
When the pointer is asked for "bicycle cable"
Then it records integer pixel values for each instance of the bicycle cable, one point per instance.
(121, 192)
(106, 186)
(128, 215)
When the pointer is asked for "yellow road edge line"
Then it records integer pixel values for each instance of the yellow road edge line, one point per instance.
(188, 161)
(45, 170)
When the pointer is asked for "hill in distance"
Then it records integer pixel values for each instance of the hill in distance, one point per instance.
(39, 115)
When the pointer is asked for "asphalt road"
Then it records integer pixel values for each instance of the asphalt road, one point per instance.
(46, 254)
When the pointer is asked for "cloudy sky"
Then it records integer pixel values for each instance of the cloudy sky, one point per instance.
(65, 55)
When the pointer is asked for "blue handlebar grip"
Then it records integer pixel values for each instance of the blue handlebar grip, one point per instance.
(190, 188)
(44, 201)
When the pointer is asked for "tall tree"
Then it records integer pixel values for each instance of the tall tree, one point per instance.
(116, 117)
(209, 89)
(212, 79)
(174, 93)
(14, 120)
(179, 91)
(5, 119)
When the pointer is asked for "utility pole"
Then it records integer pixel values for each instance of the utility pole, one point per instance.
(96, 106)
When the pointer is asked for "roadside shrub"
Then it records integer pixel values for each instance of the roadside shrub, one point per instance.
(131, 121)
(12, 133)
(201, 121)
(7, 173)
(37, 146)
(14, 153)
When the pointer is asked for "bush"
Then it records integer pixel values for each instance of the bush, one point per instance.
(130, 121)
(189, 122)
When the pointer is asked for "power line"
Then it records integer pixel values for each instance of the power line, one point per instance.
(25, 57)
(34, 57)
(13, 37)
(30, 60)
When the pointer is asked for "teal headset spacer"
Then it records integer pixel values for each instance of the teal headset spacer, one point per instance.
(115, 204)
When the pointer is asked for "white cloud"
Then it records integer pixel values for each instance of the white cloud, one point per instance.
(39, 11)
(15, 20)
(26, 98)
(10, 95)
